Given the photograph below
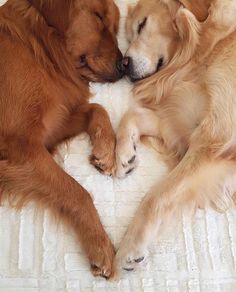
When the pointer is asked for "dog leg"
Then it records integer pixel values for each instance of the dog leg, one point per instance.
(197, 181)
(135, 123)
(93, 119)
(102, 138)
(37, 177)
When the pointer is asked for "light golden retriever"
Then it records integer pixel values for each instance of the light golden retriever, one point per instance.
(187, 49)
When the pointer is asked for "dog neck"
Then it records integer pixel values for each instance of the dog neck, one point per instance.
(55, 13)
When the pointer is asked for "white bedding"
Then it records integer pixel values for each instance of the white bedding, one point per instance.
(37, 254)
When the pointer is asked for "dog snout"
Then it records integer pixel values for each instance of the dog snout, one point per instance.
(127, 65)
(120, 67)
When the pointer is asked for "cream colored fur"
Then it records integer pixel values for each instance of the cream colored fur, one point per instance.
(190, 108)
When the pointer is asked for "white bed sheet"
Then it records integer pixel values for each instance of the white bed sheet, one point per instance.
(37, 254)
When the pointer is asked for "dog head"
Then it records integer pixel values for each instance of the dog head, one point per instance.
(91, 40)
(153, 34)
(89, 28)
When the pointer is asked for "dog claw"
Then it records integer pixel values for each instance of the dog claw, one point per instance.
(128, 269)
(132, 159)
(129, 171)
(99, 168)
(139, 260)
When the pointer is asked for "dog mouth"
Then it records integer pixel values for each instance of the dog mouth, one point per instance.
(137, 79)
(102, 78)
(159, 66)
(90, 74)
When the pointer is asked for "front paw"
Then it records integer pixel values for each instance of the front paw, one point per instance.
(103, 156)
(129, 257)
(101, 256)
(126, 157)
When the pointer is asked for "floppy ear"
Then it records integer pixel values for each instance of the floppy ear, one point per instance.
(173, 6)
(113, 17)
(52, 12)
(198, 7)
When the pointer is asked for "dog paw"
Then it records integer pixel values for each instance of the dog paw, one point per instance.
(104, 165)
(126, 157)
(101, 258)
(103, 158)
(132, 261)
(129, 258)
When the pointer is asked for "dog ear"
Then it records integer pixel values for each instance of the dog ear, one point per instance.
(173, 7)
(113, 16)
(198, 7)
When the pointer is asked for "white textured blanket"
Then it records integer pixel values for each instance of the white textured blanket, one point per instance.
(38, 255)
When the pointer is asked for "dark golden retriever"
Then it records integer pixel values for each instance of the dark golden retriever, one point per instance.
(49, 50)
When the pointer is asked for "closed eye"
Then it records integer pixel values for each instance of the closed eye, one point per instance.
(142, 25)
(160, 63)
(99, 16)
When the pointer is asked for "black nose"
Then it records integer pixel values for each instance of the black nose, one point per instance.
(123, 66)
(119, 66)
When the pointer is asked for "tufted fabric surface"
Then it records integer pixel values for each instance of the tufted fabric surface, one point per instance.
(37, 254)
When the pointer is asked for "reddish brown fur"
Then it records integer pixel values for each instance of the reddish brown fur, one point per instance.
(44, 101)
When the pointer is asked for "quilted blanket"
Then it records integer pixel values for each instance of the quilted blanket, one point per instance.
(38, 254)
